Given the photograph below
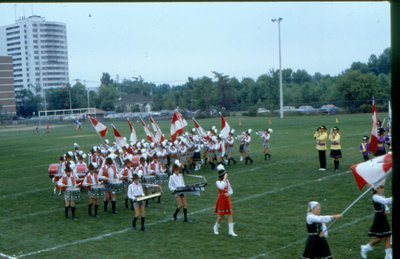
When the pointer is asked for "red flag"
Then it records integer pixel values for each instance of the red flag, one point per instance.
(178, 125)
(149, 135)
(372, 171)
(225, 128)
(118, 138)
(133, 137)
(99, 127)
(373, 145)
(202, 133)
(159, 136)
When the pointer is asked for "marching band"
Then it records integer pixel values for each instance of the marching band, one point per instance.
(134, 169)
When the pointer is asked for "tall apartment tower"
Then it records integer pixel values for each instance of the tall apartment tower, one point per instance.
(7, 94)
(39, 52)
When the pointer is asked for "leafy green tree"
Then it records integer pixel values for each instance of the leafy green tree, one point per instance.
(226, 93)
(29, 103)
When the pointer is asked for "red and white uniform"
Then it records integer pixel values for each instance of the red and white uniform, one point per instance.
(108, 173)
(126, 174)
(223, 205)
(90, 179)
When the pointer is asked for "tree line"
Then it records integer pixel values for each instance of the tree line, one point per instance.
(352, 90)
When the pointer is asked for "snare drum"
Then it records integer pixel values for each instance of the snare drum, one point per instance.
(53, 170)
(96, 191)
(115, 186)
(72, 194)
(161, 178)
(81, 170)
(149, 179)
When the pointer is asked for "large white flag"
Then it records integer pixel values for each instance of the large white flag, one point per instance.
(159, 136)
(99, 127)
(118, 137)
(372, 171)
(149, 135)
(178, 125)
(133, 138)
(225, 128)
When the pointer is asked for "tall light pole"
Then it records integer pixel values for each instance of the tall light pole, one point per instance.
(278, 20)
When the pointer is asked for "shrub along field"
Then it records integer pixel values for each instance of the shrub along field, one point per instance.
(269, 200)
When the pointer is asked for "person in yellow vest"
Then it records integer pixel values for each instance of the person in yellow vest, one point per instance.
(68, 181)
(320, 136)
(91, 180)
(336, 149)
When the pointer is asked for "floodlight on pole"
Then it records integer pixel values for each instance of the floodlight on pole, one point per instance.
(278, 20)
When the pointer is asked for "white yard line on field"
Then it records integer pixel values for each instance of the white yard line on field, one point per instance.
(302, 241)
(77, 242)
(6, 256)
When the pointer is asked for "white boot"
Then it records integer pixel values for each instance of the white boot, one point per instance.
(216, 226)
(364, 250)
(231, 233)
(241, 158)
(388, 252)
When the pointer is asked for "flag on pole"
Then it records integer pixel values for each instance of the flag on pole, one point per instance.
(159, 136)
(202, 133)
(225, 128)
(373, 145)
(178, 125)
(390, 116)
(133, 137)
(372, 170)
(99, 127)
(118, 137)
(149, 135)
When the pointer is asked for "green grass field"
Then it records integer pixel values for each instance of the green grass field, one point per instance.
(269, 201)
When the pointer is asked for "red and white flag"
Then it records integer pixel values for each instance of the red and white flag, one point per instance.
(133, 138)
(99, 127)
(159, 136)
(149, 135)
(225, 128)
(372, 171)
(373, 145)
(178, 125)
(118, 137)
(202, 133)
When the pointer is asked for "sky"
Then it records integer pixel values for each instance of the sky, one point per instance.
(170, 42)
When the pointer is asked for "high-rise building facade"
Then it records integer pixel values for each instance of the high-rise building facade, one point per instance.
(7, 95)
(39, 52)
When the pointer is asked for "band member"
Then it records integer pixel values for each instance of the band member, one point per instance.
(126, 176)
(176, 181)
(107, 173)
(380, 229)
(90, 180)
(364, 148)
(246, 147)
(320, 136)
(68, 180)
(229, 141)
(381, 142)
(223, 205)
(265, 136)
(316, 245)
(135, 190)
(336, 149)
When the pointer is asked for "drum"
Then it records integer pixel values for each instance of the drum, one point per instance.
(97, 191)
(115, 186)
(135, 160)
(72, 194)
(81, 170)
(161, 178)
(53, 170)
(149, 179)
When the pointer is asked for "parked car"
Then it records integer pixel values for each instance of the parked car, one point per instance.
(329, 109)
(306, 109)
(287, 109)
(262, 111)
